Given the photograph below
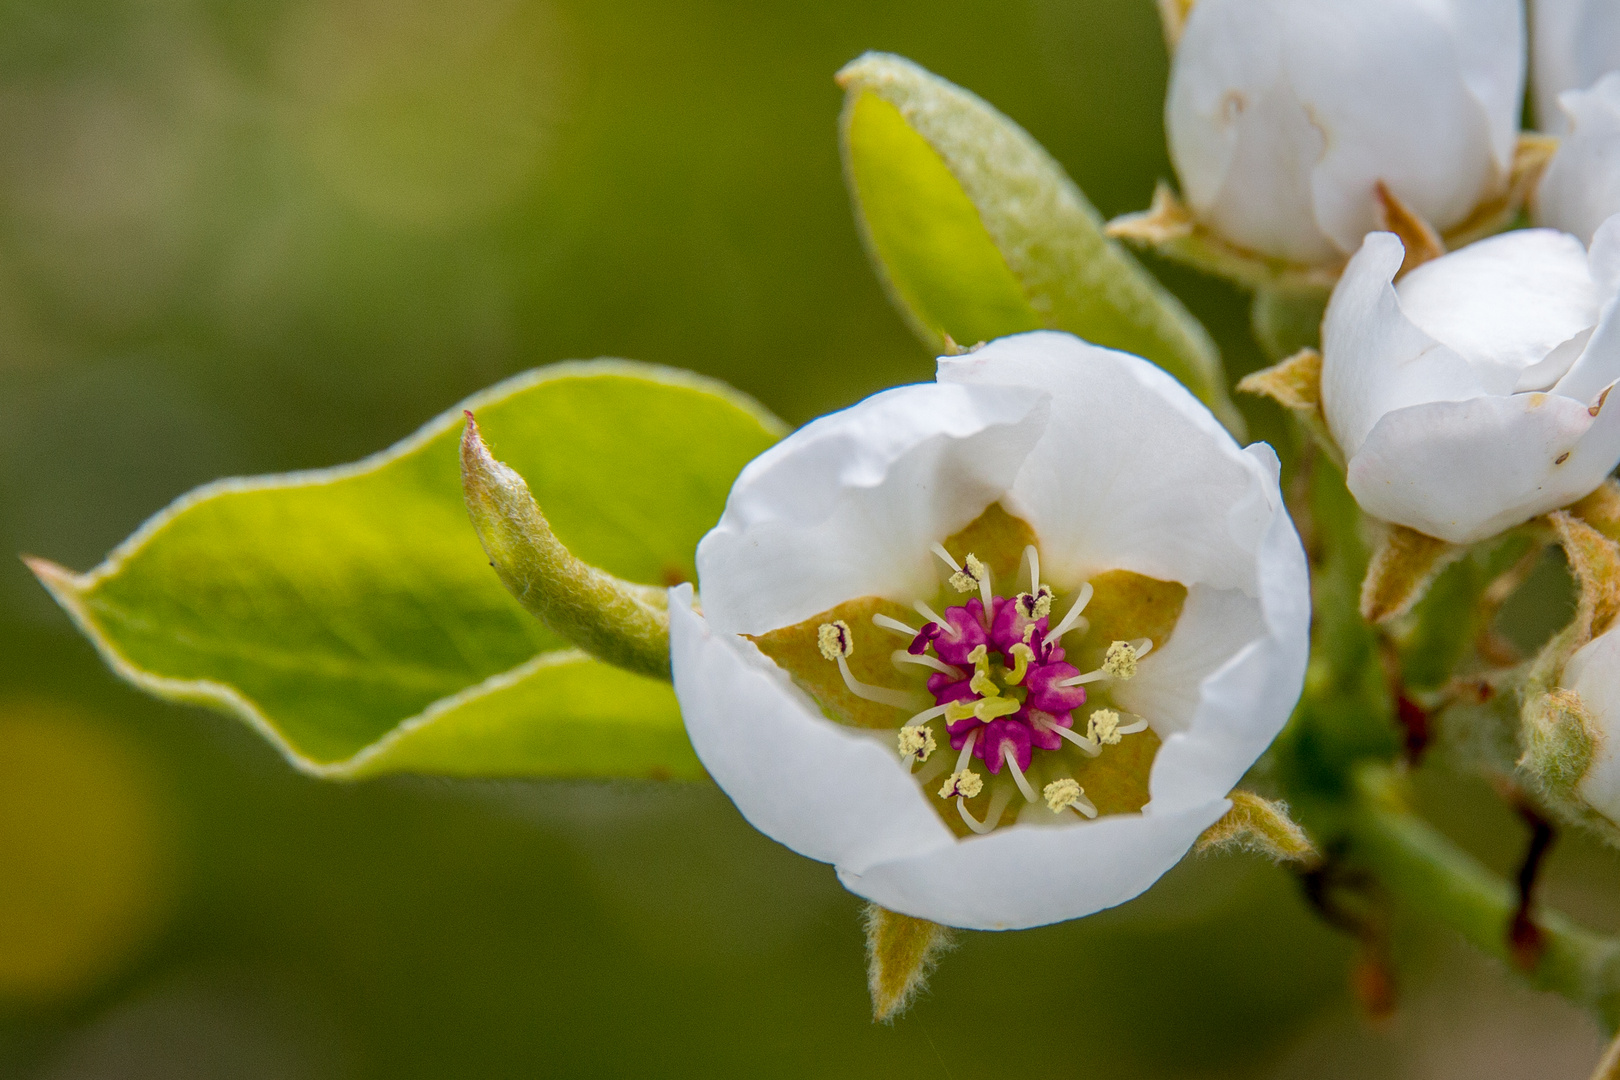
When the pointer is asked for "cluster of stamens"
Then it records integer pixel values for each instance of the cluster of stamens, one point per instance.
(1001, 685)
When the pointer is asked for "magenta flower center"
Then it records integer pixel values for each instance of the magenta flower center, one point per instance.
(1008, 698)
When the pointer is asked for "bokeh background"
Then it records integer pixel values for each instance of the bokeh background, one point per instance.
(243, 236)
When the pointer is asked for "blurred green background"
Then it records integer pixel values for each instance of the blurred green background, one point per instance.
(259, 235)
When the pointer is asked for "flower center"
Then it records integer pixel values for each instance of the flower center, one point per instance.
(1007, 704)
(1001, 683)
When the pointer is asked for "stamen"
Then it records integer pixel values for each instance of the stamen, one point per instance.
(1022, 656)
(894, 624)
(928, 714)
(980, 827)
(1011, 758)
(1072, 617)
(1139, 724)
(987, 596)
(939, 549)
(834, 639)
(1033, 557)
(1103, 727)
(880, 694)
(901, 656)
(1091, 748)
(1120, 660)
(1063, 794)
(1118, 663)
(966, 755)
(971, 575)
(917, 742)
(944, 624)
(962, 784)
(1035, 605)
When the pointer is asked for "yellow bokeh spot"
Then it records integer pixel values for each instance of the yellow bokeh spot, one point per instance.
(86, 872)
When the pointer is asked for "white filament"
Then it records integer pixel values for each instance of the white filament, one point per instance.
(1011, 758)
(880, 694)
(1091, 748)
(901, 656)
(894, 624)
(1073, 616)
(956, 567)
(1034, 559)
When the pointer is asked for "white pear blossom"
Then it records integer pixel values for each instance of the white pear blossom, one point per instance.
(1593, 673)
(1474, 394)
(1284, 115)
(1572, 44)
(1581, 187)
(971, 797)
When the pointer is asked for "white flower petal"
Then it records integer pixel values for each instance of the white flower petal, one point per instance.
(1128, 461)
(1503, 304)
(850, 505)
(1029, 875)
(1581, 187)
(1465, 470)
(1594, 674)
(1573, 42)
(1243, 702)
(1598, 365)
(1375, 359)
(826, 791)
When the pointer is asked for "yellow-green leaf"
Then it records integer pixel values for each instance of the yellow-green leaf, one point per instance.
(350, 615)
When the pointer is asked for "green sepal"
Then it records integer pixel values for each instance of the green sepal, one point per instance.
(625, 624)
(977, 231)
(350, 617)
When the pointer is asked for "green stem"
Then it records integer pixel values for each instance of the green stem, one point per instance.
(1427, 873)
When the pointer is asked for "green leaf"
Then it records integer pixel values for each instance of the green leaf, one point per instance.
(978, 233)
(350, 615)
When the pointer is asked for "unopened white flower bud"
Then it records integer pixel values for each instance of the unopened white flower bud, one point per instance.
(1284, 115)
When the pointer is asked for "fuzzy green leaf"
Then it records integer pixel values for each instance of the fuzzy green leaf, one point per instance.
(350, 615)
(978, 232)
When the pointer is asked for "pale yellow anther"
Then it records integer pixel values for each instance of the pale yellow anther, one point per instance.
(1103, 727)
(962, 784)
(834, 639)
(1022, 656)
(1062, 794)
(1120, 661)
(968, 578)
(917, 742)
(982, 683)
(1035, 605)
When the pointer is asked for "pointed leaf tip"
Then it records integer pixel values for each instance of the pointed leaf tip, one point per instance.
(901, 953)
(611, 619)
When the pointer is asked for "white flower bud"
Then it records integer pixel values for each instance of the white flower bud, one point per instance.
(1284, 115)
(1573, 43)
(1474, 394)
(1581, 188)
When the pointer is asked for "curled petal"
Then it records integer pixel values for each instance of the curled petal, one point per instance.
(850, 504)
